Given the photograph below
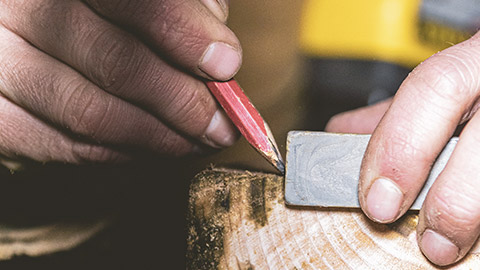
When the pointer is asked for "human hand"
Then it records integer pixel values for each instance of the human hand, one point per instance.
(96, 80)
(363, 120)
(437, 96)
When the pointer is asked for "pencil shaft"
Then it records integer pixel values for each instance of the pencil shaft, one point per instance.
(247, 119)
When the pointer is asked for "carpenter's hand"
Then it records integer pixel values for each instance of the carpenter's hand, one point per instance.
(363, 120)
(436, 97)
(97, 80)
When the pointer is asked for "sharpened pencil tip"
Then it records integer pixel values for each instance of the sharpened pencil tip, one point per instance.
(248, 120)
(280, 166)
(276, 159)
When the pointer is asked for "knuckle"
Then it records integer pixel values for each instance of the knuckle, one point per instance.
(453, 214)
(85, 113)
(190, 106)
(403, 154)
(178, 30)
(452, 74)
(117, 56)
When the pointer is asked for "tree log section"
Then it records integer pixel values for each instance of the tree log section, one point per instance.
(238, 220)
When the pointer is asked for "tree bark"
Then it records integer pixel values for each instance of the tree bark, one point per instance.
(238, 220)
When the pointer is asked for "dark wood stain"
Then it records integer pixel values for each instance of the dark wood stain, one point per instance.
(257, 201)
(212, 196)
(205, 237)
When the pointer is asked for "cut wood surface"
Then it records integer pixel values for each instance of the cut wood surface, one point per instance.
(238, 220)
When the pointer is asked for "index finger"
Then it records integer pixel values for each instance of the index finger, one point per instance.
(432, 101)
(185, 32)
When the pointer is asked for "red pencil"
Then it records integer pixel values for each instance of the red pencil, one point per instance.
(247, 119)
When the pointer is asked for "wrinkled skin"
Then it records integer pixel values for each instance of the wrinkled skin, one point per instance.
(408, 134)
(100, 80)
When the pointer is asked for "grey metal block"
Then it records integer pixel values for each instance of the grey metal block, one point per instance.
(322, 169)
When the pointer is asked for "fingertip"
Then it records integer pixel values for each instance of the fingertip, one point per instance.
(220, 132)
(437, 248)
(363, 120)
(335, 124)
(383, 201)
(221, 61)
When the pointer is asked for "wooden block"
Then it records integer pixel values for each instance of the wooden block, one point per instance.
(239, 220)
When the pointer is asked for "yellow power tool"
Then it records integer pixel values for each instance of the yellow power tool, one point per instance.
(359, 52)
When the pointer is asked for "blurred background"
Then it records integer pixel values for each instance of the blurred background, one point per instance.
(304, 61)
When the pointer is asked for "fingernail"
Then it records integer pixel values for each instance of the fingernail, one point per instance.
(220, 61)
(384, 200)
(219, 8)
(438, 249)
(220, 132)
